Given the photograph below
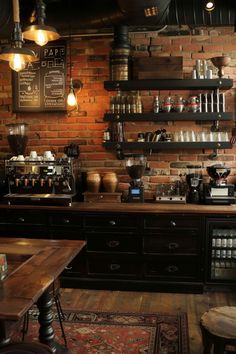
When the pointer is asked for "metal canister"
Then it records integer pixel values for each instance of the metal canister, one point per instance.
(120, 61)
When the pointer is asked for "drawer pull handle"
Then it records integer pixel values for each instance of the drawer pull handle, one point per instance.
(21, 219)
(173, 246)
(66, 221)
(113, 243)
(173, 223)
(112, 222)
(114, 266)
(172, 269)
(68, 268)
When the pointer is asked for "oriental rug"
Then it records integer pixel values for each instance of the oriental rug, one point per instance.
(120, 333)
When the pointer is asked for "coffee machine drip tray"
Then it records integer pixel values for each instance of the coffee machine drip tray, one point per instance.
(39, 199)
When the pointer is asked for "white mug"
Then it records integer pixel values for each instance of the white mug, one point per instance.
(47, 155)
(33, 155)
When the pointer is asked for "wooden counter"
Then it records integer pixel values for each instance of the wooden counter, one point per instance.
(135, 207)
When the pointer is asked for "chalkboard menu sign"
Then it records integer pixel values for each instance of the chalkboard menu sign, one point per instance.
(41, 87)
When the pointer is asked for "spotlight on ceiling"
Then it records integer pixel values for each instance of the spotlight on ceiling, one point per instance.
(209, 5)
(151, 11)
(40, 33)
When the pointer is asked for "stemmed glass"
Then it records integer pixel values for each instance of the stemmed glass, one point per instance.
(220, 63)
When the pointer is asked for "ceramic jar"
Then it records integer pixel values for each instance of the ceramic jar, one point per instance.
(93, 181)
(110, 182)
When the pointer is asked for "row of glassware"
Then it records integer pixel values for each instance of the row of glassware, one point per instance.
(202, 136)
(204, 102)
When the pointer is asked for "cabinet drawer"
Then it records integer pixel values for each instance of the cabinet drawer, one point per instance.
(185, 242)
(108, 266)
(113, 242)
(26, 217)
(172, 267)
(66, 219)
(112, 221)
(28, 231)
(77, 267)
(172, 221)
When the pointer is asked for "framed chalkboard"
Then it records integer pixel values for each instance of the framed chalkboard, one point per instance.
(41, 87)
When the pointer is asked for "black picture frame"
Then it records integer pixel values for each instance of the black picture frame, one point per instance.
(41, 87)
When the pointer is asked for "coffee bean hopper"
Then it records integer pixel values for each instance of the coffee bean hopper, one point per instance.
(135, 166)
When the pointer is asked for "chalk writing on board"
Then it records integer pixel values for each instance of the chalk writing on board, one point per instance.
(42, 85)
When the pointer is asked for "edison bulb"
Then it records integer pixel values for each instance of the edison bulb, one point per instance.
(41, 38)
(210, 6)
(17, 63)
(71, 99)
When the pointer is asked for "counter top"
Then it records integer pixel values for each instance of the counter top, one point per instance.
(133, 207)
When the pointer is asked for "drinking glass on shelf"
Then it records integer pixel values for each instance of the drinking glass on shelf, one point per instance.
(186, 136)
(201, 136)
(181, 136)
(192, 136)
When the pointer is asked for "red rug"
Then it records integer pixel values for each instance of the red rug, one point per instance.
(120, 333)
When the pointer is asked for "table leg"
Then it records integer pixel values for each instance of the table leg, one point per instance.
(45, 319)
(4, 336)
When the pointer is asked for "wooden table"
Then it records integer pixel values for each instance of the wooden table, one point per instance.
(37, 265)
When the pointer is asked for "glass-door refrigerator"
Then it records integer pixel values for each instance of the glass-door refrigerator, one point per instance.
(221, 255)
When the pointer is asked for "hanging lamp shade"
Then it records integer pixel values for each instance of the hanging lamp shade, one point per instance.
(16, 55)
(40, 33)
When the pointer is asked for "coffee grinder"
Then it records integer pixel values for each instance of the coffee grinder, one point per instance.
(17, 138)
(135, 166)
(218, 191)
(194, 180)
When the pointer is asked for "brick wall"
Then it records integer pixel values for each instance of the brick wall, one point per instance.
(90, 57)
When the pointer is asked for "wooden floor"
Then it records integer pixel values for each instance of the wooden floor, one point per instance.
(121, 301)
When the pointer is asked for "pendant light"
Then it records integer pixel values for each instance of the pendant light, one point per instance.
(16, 55)
(40, 33)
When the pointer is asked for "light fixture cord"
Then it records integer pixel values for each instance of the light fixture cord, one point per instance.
(16, 10)
(70, 52)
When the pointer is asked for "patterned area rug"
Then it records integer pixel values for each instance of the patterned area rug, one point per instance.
(120, 333)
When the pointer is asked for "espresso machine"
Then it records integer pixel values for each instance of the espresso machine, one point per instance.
(194, 180)
(40, 182)
(135, 166)
(218, 191)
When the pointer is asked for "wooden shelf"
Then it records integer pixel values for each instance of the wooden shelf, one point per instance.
(169, 84)
(167, 145)
(173, 116)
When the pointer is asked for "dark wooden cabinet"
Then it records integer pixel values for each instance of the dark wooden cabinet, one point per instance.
(172, 248)
(132, 251)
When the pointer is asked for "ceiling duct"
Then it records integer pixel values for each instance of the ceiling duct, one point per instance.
(105, 14)
(193, 13)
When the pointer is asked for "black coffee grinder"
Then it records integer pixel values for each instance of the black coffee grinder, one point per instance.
(135, 166)
(194, 180)
(17, 138)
